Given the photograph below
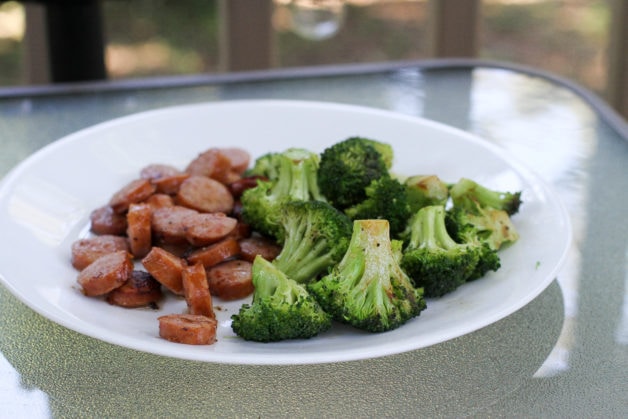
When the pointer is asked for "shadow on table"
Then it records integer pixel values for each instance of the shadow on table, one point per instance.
(82, 375)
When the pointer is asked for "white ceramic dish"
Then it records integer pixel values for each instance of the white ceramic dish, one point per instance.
(45, 204)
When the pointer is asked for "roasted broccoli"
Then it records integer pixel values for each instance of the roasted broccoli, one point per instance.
(348, 167)
(291, 176)
(432, 258)
(314, 236)
(424, 190)
(368, 289)
(489, 225)
(386, 198)
(281, 308)
(466, 193)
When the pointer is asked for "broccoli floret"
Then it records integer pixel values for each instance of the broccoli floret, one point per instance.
(466, 193)
(386, 198)
(424, 190)
(432, 258)
(314, 237)
(368, 289)
(291, 176)
(347, 168)
(281, 308)
(461, 228)
(491, 226)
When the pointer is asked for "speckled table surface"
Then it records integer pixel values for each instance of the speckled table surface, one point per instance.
(562, 355)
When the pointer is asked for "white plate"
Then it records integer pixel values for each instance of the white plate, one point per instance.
(45, 204)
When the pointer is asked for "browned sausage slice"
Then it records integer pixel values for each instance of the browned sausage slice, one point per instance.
(238, 187)
(160, 200)
(170, 223)
(106, 273)
(256, 245)
(158, 171)
(205, 194)
(85, 251)
(105, 221)
(238, 158)
(136, 191)
(139, 229)
(205, 228)
(215, 253)
(165, 268)
(230, 280)
(140, 290)
(196, 291)
(188, 328)
(213, 164)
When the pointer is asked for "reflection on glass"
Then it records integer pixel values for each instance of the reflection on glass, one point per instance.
(316, 19)
(16, 400)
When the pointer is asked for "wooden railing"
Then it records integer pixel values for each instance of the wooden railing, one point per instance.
(247, 39)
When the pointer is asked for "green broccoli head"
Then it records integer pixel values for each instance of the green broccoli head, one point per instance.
(386, 198)
(368, 289)
(347, 168)
(314, 236)
(432, 258)
(281, 308)
(485, 224)
(424, 190)
(292, 176)
(467, 193)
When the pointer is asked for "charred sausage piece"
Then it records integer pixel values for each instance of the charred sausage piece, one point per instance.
(213, 164)
(86, 251)
(140, 290)
(209, 228)
(165, 268)
(139, 229)
(160, 200)
(157, 171)
(104, 221)
(106, 273)
(256, 245)
(239, 158)
(190, 329)
(134, 192)
(230, 280)
(238, 187)
(205, 195)
(166, 178)
(241, 231)
(215, 253)
(196, 291)
(169, 224)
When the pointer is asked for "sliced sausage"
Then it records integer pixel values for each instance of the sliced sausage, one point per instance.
(105, 221)
(140, 290)
(169, 224)
(213, 164)
(196, 291)
(106, 273)
(238, 187)
(238, 158)
(257, 245)
(205, 194)
(230, 280)
(166, 178)
(209, 228)
(139, 229)
(215, 253)
(135, 191)
(165, 268)
(160, 200)
(190, 329)
(86, 251)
